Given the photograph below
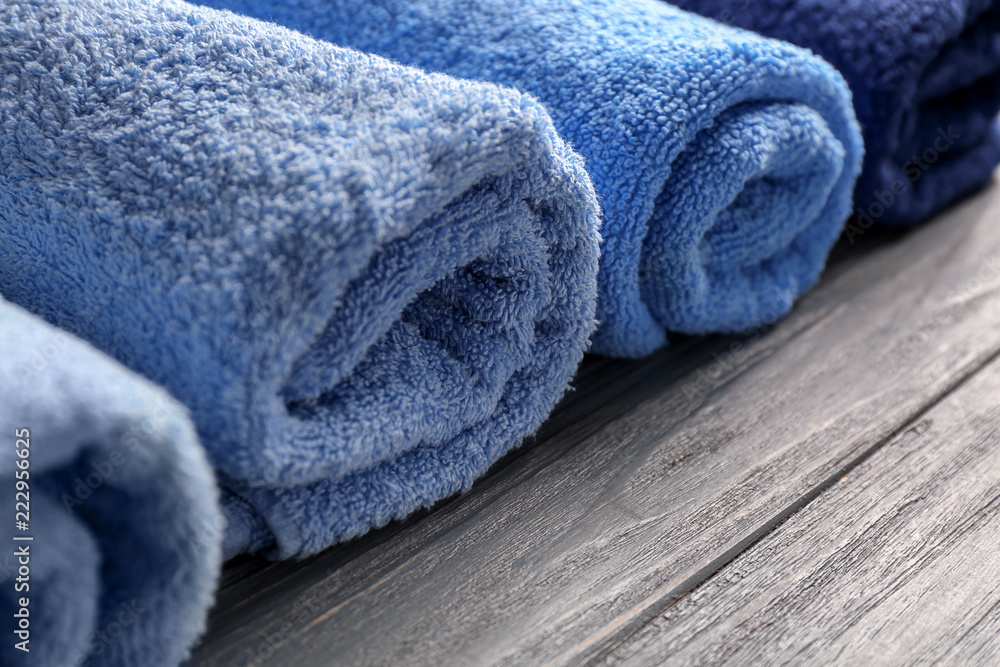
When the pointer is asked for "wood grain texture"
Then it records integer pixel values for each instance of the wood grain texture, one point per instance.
(898, 564)
(648, 480)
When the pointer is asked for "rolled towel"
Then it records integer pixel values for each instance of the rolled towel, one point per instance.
(926, 81)
(366, 282)
(725, 162)
(112, 552)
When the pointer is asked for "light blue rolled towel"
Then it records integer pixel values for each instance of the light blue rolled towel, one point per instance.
(113, 556)
(725, 161)
(366, 282)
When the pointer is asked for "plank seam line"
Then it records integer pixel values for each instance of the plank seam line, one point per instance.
(700, 577)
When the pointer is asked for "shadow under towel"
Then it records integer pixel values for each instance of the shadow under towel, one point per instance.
(926, 81)
(122, 509)
(366, 282)
(725, 161)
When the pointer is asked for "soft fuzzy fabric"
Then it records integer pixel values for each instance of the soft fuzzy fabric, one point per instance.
(123, 516)
(725, 161)
(926, 81)
(366, 282)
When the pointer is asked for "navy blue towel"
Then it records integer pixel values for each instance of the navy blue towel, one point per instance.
(926, 81)
(111, 555)
(725, 161)
(366, 282)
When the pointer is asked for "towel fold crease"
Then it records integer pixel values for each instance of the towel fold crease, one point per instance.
(365, 281)
(925, 75)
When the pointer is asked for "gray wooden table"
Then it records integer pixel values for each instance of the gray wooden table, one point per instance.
(823, 490)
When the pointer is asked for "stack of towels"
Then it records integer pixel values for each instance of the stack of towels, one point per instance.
(276, 272)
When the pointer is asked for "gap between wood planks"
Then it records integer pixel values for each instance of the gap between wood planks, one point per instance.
(898, 564)
(725, 559)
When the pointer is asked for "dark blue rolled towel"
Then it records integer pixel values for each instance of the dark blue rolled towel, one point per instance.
(366, 282)
(111, 556)
(725, 161)
(926, 81)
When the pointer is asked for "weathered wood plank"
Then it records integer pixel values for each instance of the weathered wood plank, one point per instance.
(898, 564)
(643, 486)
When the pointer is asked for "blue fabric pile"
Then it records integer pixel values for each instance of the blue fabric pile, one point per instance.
(926, 81)
(725, 162)
(366, 282)
(112, 551)
(367, 279)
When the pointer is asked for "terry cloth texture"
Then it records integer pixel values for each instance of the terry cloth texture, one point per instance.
(365, 281)
(120, 505)
(926, 81)
(725, 161)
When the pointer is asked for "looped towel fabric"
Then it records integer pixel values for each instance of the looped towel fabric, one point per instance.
(114, 558)
(725, 161)
(366, 282)
(926, 81)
